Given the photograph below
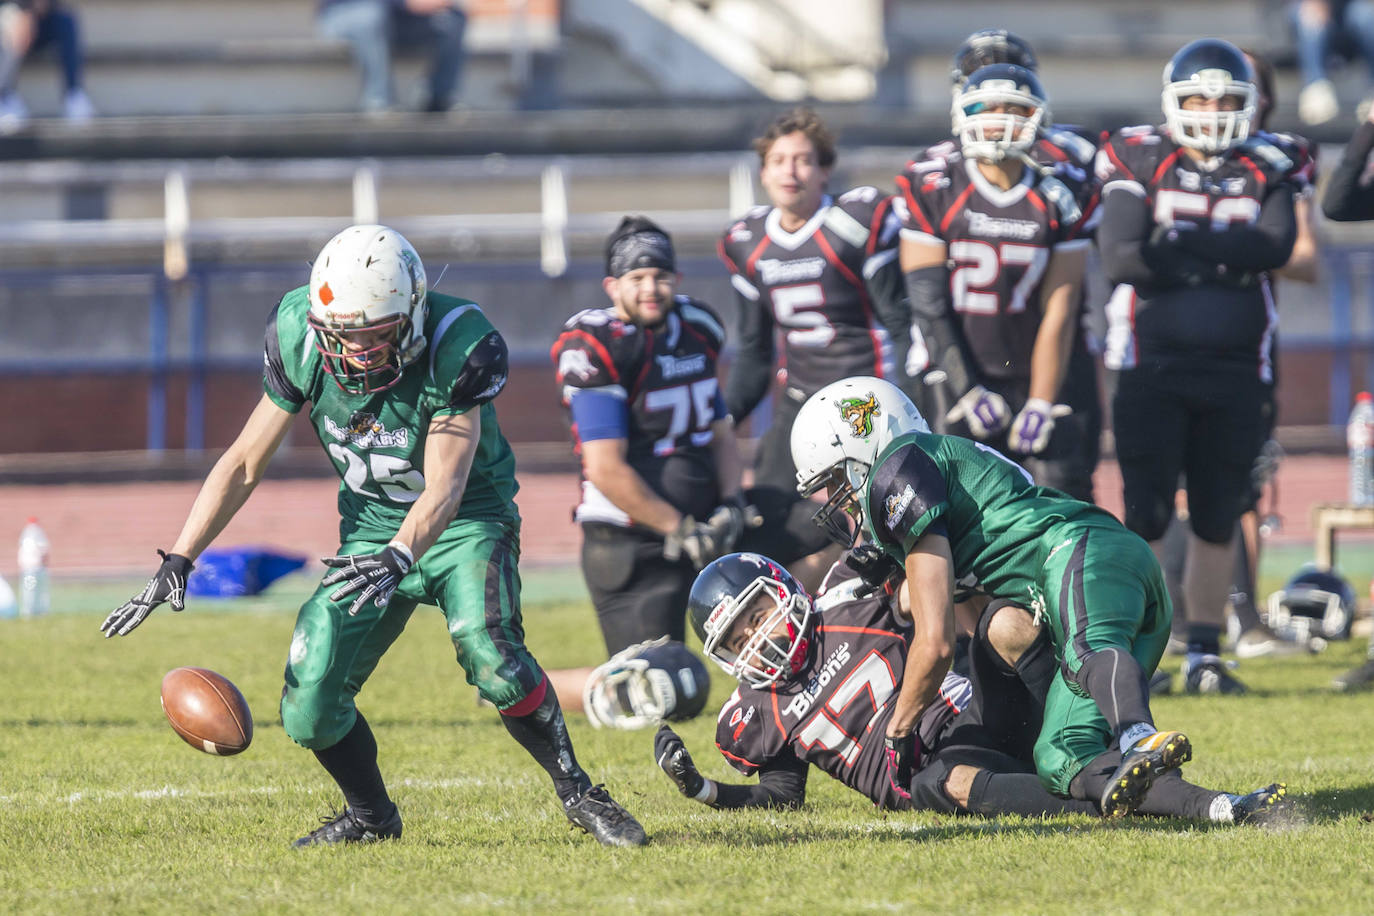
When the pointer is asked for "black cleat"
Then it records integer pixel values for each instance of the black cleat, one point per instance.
(1260, 805)
(1149, 758)
(345, 827)
(1360, 678)
(598, 814)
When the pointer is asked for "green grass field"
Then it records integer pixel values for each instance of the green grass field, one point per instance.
(106, 810)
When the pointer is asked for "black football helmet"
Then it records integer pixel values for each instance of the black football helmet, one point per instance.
(990, 46)
(1314, 603)
(1211, 68)
(645, 684)
(725, 591)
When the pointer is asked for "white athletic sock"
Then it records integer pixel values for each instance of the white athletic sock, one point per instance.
(1222, 810)
(1133, 734)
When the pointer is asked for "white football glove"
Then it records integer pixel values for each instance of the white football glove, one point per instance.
(1030, 431)
(986, 412)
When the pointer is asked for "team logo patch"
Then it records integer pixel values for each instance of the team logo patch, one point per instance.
(364, 430)
(896, 505)
(859, 414)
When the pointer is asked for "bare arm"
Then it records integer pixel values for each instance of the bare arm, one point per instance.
(930, 587)
(1305, 260)
(1054, 339)
(603, 461)
(233, 477)
(725, 450)
(450, 448)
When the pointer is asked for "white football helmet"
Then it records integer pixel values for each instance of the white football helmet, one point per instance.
(368, 307)
(836, 438)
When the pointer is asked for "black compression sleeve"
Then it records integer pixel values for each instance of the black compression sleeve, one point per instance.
(931, 310)
(782, 784)
(1265, 245)
(1346, 197)
(753, 366)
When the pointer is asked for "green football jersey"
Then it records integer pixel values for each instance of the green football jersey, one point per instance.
(377, 441)
(1002, 528)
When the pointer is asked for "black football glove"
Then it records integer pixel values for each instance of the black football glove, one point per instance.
(167, 584)
(903, 759)
(878, 571)
(673, 759)
(375, 575)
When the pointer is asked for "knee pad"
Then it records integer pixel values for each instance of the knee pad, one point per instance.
(314, 721)
(1149, 518)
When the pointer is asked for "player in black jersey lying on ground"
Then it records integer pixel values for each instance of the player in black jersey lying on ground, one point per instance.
(817, 683)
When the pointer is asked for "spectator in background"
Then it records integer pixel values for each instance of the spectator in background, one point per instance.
(1317, 25)
(375, 27)
(27, 26)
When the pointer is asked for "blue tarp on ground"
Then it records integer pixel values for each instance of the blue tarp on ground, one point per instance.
(234, 572)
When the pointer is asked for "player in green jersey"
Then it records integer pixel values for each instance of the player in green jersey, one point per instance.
(947, 511)
(399, 383)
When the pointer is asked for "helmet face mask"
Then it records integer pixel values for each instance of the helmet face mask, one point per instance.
(1213, 70)
(842, 482)
(998, 112)
(748, 590)
(1314, 604)
(367, 307)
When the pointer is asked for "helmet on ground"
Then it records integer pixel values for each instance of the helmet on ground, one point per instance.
(758, 594)
(999, 111)
(367, 307)
(1315, 602)
(645, 684)
(1212, 69)
(838, 434)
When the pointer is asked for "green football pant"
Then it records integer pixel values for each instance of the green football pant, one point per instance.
(1102, 589)
(470, 573)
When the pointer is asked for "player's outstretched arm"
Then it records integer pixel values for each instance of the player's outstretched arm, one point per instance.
(930, 589)
(224, 492)
(781, 785)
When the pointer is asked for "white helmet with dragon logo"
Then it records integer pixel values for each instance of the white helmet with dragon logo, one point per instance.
(837, 436)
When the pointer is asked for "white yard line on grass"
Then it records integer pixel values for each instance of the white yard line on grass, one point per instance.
(177, 792)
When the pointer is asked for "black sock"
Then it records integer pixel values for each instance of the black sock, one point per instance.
(1019, 793)
(353, 764)
(543, 733)
(1204, 639)
(1171, 795)
(1037, 668)
(1092, 780)
(1116, 682)
(1243, 589)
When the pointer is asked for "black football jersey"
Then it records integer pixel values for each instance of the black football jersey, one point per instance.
(834, 715)
(1185, 322)
(811, 285)
(667, 378)
(999, 245)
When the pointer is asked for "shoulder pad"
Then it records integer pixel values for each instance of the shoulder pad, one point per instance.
(1063, 198)
(701, 315)
(1079, 148)
(849, 220)
(864, 194)
(1261, 147)
(904, 488)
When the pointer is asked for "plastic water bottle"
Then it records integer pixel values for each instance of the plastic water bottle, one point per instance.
(1359, 440)
(33, 570)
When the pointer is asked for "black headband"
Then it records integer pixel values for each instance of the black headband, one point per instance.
(640, 249)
